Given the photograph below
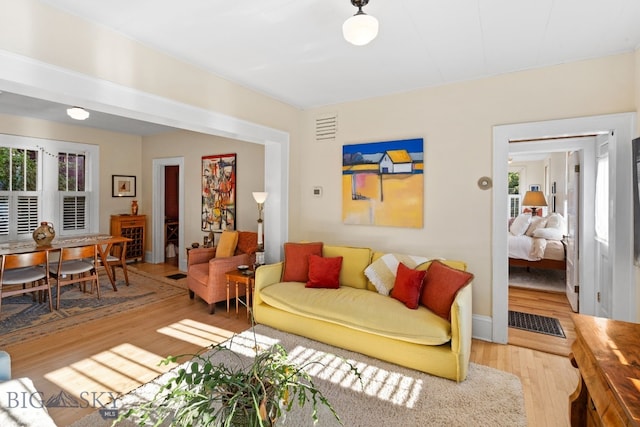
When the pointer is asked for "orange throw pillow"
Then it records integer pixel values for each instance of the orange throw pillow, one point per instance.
(227, 245)
(441, 285)
(408, 285)
(324, 272)
(296, 262)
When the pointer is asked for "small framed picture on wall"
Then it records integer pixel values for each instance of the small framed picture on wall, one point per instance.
(123, 186)
(534, 187)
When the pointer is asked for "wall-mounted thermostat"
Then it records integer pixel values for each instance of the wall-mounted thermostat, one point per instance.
(317, 191)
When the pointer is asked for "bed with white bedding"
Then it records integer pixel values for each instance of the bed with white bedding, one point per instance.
(537, 242)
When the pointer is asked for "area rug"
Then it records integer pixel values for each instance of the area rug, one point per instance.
(537, 278)
(388, 395)
(21, 318)
(536, 323)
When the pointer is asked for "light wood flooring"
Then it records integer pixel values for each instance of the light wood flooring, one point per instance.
(549, 304)
(121, 352)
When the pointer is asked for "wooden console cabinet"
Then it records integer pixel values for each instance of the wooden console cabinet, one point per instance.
(133, 227)
(607, 353)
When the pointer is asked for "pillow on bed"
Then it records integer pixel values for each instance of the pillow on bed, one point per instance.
(555, 220)
(536, 223)
(520, 224)
(548, 233)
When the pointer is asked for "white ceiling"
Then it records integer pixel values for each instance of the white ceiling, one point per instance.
(293, 50)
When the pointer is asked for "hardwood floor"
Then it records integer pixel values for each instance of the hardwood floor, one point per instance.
(549, 304)
(121, 353)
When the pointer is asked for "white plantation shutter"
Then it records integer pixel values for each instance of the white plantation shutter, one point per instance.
(18, 214)
(27, 214)
(74, 213)
(4, 215)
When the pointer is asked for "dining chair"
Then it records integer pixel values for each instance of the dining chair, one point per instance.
(76, 265)
(117, 258)
(18, 270)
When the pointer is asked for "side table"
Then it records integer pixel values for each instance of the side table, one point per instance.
(239, 277)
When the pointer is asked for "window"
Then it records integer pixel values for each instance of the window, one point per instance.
(514, 194)
(47, 180)
(71, 185)
(19, 193)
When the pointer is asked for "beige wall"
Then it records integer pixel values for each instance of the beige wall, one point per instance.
(456, 123)
(192, 146)
(112, 162)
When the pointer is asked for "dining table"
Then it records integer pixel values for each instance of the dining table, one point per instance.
(103, 242)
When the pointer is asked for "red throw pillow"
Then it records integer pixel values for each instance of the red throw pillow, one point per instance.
(441, 285)
(408, 285)
(324, 272)
(296, 263)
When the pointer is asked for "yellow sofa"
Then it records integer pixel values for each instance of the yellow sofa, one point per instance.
(356, 317)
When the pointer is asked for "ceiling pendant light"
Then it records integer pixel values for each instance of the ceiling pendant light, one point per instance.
(361, 28)
(77, 113)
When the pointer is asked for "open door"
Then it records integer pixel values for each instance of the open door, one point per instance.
(573, 206)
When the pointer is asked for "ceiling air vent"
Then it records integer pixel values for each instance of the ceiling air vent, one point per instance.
(326, 127)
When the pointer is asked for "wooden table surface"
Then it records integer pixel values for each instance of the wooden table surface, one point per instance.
(608, 356)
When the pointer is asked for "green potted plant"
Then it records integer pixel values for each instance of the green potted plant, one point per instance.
(207, 393)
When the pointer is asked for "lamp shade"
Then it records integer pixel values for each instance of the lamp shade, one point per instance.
(77, 113)
(534, 198)
(360, 29)
(260, 197)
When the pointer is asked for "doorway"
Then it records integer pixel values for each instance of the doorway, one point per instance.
(171, 214)
(538, 287)
(621, 125)
(168, 210)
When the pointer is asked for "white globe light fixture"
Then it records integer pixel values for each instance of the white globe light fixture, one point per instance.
(361, 28)
(77, 113)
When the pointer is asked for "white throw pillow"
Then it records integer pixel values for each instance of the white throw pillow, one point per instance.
(555, 220)
(536, 223)
(548, 233)
(520, 224)
(382, 272)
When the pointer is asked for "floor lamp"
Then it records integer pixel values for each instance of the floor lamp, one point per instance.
(260, 198)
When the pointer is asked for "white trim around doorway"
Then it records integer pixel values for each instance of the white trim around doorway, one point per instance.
(623, 126)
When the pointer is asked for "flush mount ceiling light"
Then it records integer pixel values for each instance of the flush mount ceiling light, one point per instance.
(361, 28)
(77, 113)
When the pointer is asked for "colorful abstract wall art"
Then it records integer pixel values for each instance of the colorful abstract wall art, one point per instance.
(382, 183)
(219, 192)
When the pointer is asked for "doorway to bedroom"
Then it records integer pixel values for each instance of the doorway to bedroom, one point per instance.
(538, 205)
(537, 182)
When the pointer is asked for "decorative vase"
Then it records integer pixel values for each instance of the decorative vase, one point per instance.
(134, 207)
(44, 234)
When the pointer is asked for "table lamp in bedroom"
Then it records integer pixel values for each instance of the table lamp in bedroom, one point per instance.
(534, 199)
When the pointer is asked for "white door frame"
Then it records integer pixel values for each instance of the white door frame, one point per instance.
(27, 76)
(623, 126)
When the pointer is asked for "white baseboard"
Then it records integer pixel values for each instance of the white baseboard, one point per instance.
(482, 327)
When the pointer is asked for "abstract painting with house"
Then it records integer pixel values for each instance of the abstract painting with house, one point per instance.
(382, 183)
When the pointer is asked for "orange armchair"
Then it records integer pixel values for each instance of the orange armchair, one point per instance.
(206, 273)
